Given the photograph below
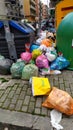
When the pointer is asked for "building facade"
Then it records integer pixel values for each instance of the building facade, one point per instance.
(44, 11)
(30, 9)
(37, 8)
(11, 9)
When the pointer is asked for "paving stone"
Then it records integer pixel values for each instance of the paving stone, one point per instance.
(60, 76)
(61, 85)
(7, 90)
(67, 89)
(12, 106)
(31, 107)
(18, 90)
(1, 92)
(11, 82)
(11, 94)
(4, 85)
(33, 99)
(51, 83)
(14, 99)
(22, 95)
(56, 83)
(1, 104)
(44, 98)
(66, 83)
(67, 123)
(44, 111)
(37, 111)
(6, 103)
(25, 82)
(18, 105)
(2, 99)
(71, 87)
(49, 112)
(29, 91)
(0, 82)
(60, 80)
(25, 87)
(24, 108)
(26, 100)
(21, 84)
(56, 78)
(15, 87)
(38, 102)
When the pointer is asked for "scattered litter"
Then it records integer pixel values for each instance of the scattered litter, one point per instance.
(59, 100)
(56, 117)
(40, 86)
(49, 72)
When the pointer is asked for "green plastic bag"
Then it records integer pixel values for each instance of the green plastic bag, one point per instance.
(29, 71)
(16, 69)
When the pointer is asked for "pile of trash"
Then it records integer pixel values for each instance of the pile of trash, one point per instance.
(42, 58)
(58, 100)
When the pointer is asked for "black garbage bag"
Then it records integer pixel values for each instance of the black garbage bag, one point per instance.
(5, 65)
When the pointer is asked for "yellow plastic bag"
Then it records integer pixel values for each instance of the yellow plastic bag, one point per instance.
(36, 53)
(59, 100)
(40, 86)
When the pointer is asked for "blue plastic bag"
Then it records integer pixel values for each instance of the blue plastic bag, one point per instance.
(59, 64)
(33, 47)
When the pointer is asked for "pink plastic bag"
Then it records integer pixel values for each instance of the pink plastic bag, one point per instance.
(42, 61)
(26, 56)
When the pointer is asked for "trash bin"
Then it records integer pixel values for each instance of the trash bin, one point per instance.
(65, 38)
(21, 36)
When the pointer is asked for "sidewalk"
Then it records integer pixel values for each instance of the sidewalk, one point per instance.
(19, 107)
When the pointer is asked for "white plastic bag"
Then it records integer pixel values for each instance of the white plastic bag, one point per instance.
(42, 48)
(56, 117)
(50, 57)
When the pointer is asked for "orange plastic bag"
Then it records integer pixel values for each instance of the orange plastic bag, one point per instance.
(60, 100)
(47, 42)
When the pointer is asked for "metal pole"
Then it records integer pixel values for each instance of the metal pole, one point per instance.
(39, 14)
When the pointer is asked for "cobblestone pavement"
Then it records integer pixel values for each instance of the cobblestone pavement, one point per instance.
(16, 94)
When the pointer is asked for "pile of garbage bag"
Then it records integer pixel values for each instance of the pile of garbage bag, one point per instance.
(42, 58)
(45, 55)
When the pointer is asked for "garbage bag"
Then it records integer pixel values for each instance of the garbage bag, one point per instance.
(36, 53)
(43, 48)
(40, 86)
(29, 71)
(47, 42)
(26, 56)
(50, 72)
(50, 49)
(51, 56)
(38, 41)
(2, 57)
(42, 61)
(59, 100)
(16, 69)
(33, 47)
(56, 117)
(59, 64)
(5, 65)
